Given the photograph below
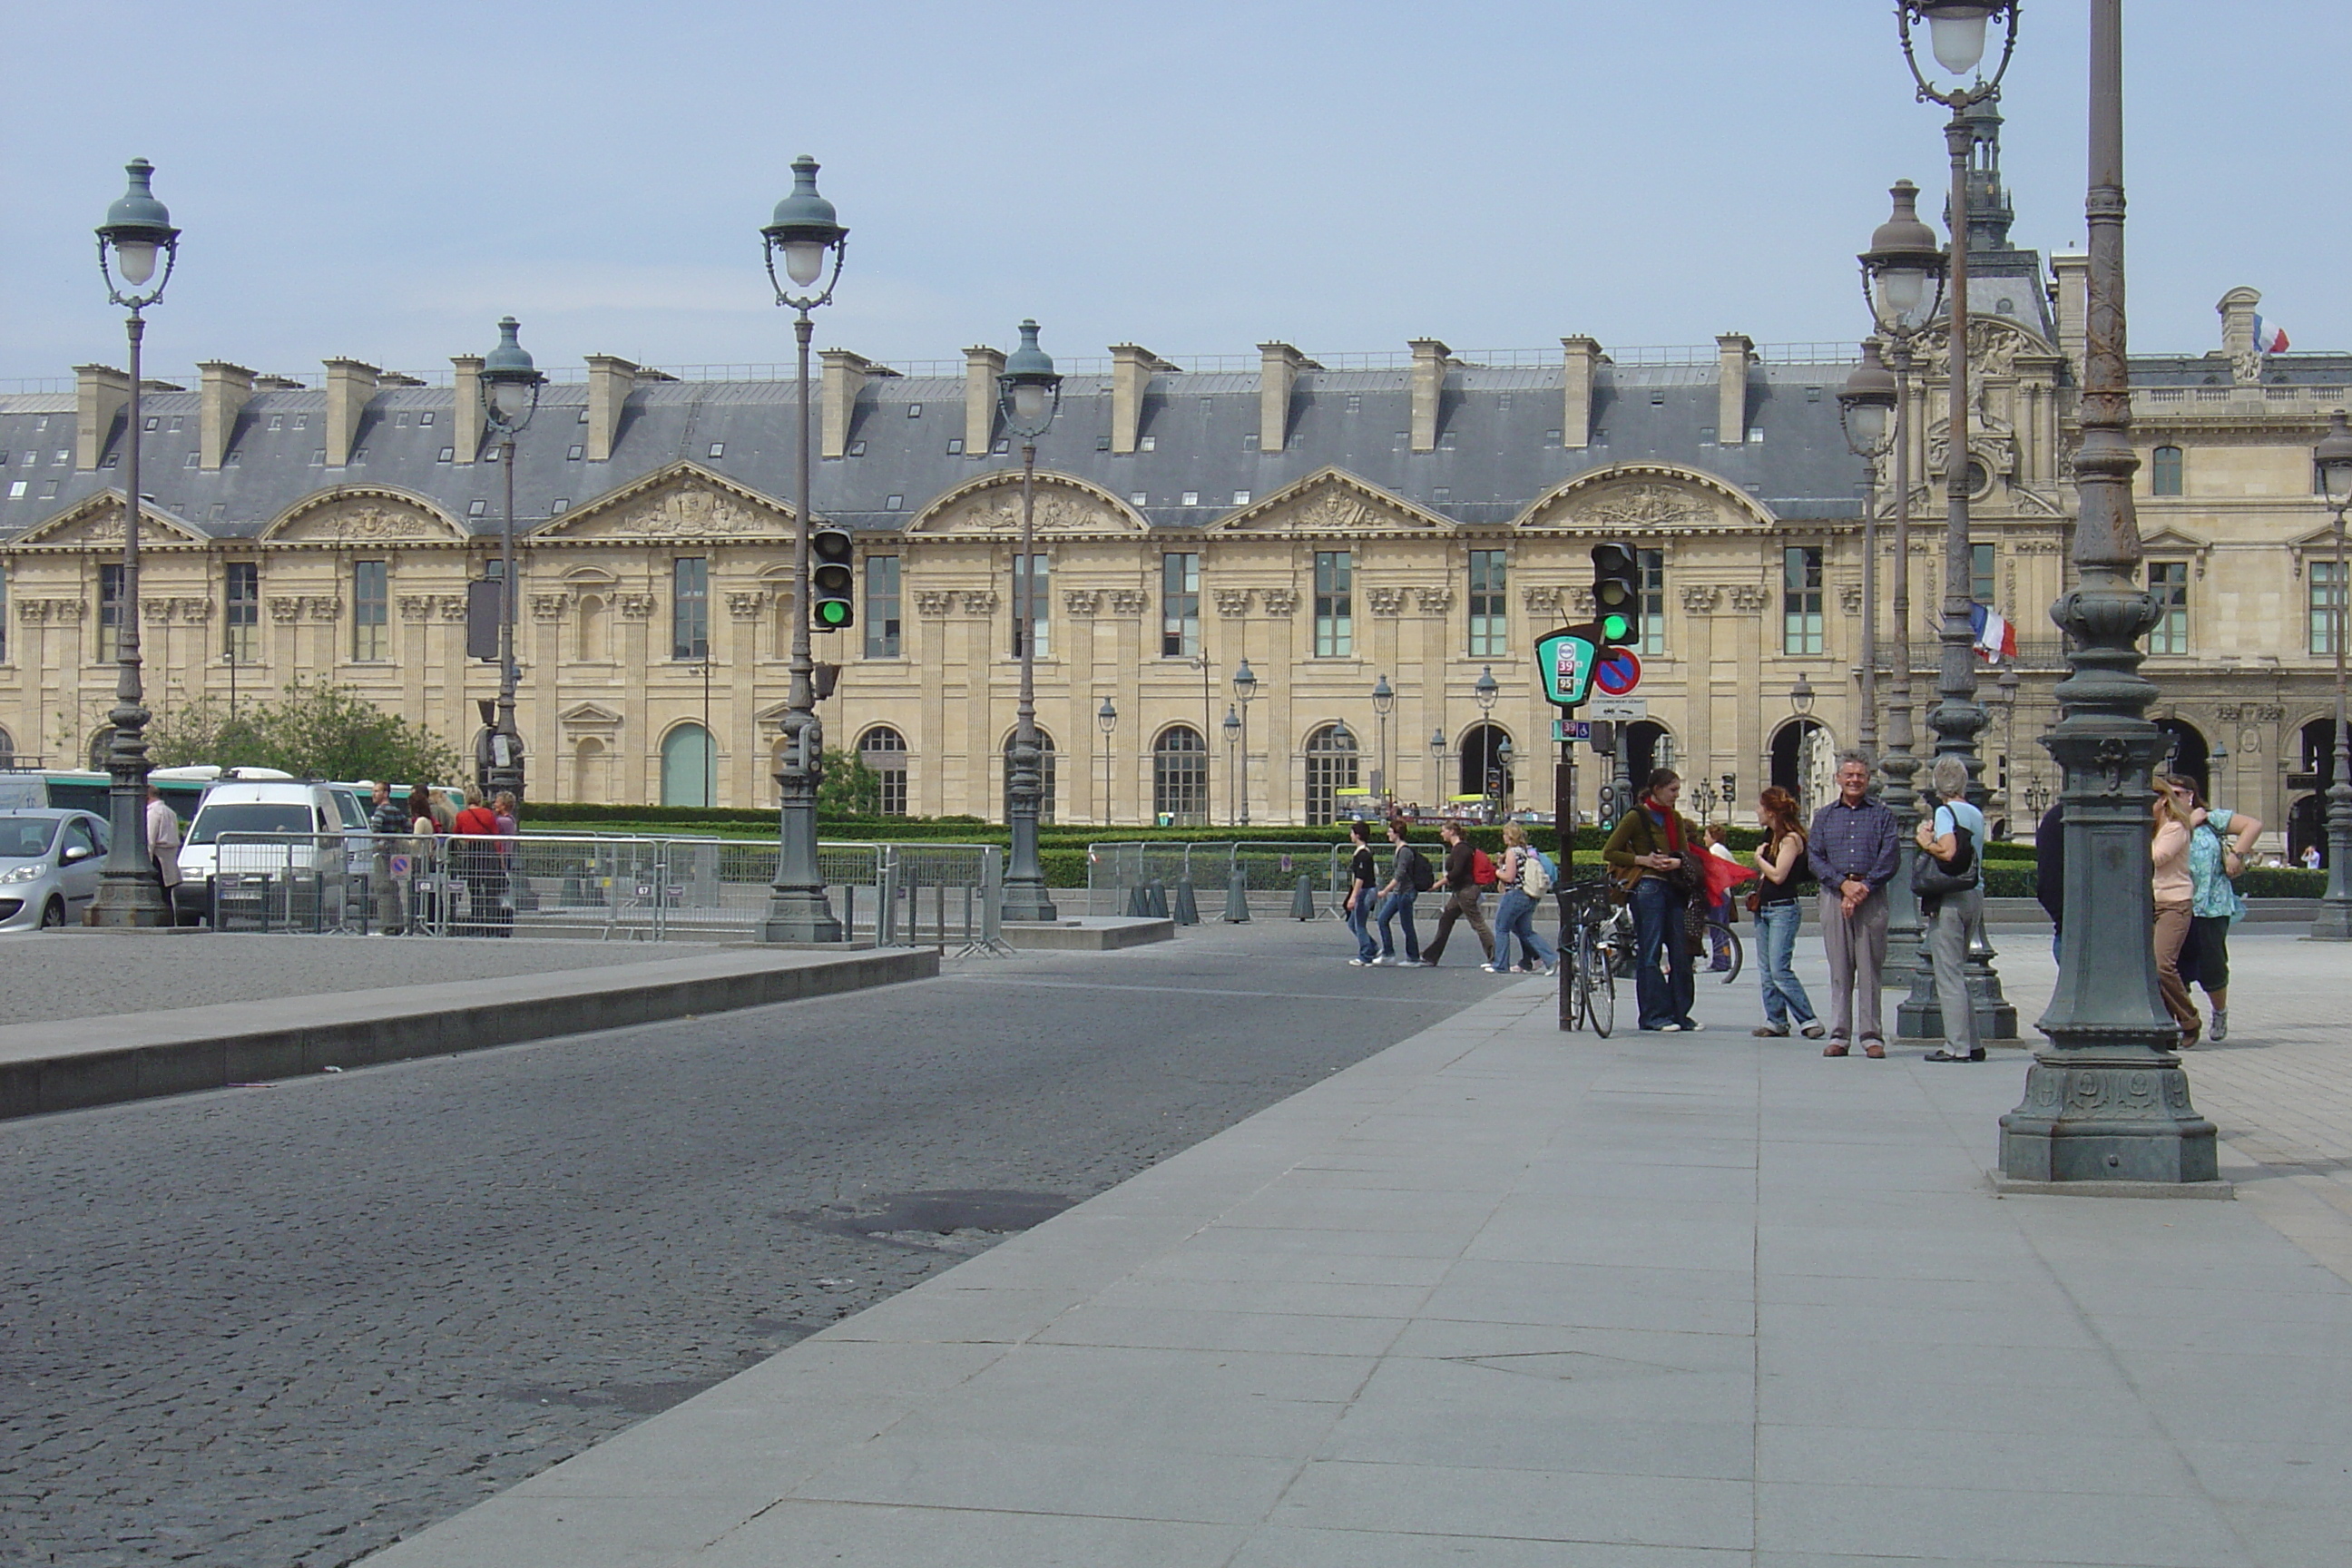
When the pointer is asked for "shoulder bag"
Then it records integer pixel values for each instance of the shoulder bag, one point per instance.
(1932, 879)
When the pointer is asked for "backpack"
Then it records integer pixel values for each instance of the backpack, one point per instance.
(1419, 871)
(1482, 869)
(1537, 874)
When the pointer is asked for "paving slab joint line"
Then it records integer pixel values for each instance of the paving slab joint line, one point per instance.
(2010, 1187)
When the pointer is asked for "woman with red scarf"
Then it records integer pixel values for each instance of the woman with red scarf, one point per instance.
(1654, 850)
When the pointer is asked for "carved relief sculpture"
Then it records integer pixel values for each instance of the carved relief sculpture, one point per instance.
(550, 607)
(1279, 601)
(1433, 601)
(746, 604)
(1129, 601)
(416, 606)
(632, 606)
(1748, 598)
(980, 601)
(1233, 601)
(932, 604)
(1080, 602)
(1386, 600)
(1541, 601)
(1698, 598)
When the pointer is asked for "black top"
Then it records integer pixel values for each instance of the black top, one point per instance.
(2050, 862)
(1362, 869)
(1771, 892)
(1461, 868)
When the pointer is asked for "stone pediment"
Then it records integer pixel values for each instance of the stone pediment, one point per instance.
(683, 502)
(363, 515)
(1329, 502)
(591, 716)
(990, 508)
(1644, 500)
(95, 523)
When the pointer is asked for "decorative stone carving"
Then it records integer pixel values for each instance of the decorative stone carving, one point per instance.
(1337, 508)
(1432, 600)
(550, 607)
(2269, 713)
(1643, 508)
(1129, 601)
(746, 604)
(690, 511)
(1081, 602)
(62, 610)
(1698, 598)
(1058, 510)
(453, 605)
(1993, 348)
(1385, 601)
(323, 607)
(2230, 712)
(635, 606)
(416, 606)
(1580, 602)
(1540, 601)
(1233, 601)
(156, 610)
(284, 609)
(979, 600)
(1850, 598)
(1278, 601)
(1749, 597)
(933, 604)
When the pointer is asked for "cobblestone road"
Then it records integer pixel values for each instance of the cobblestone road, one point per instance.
(282, 1326)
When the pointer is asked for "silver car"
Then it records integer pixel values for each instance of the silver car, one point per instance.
(50, 862)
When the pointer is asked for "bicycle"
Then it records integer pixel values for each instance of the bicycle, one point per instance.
(1597, 946)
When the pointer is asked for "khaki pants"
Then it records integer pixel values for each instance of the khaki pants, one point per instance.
(2171, 931)
(1461, 906)
(1856, 951)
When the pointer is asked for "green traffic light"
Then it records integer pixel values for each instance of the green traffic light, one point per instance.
(832, 612)
(1614, 628)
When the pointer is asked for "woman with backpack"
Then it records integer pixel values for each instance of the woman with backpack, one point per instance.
(1526, 874)
(2214, 905)
(1410, 876)
(1951, 844)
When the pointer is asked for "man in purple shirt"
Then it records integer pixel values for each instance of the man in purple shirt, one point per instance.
(1851, 852)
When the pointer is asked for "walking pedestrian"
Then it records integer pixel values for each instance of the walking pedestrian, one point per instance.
(1778, 915)
(1410, 876)
(1653, 849)
(1363, 873)
(2214, 905)
(163, 849)
(1461, 896)
(386, 824)
(1526, 874)
(1954, 839)
(2171, 816)
(1851, 849)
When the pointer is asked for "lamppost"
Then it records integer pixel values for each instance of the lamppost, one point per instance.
(1343, 741)
(2106, 1099)
(1244, 689)
(1107, 719)
(803, 234)
(1503, 777)
(1030, 393)
(1866, 410)
(1232, 728)
(1903, 276)
(137, 227)
(511, 387)
(1703, 797)
(2333, 921)
(1437, 770)
(1383, 704)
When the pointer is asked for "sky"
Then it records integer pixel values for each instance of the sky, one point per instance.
(383, 182)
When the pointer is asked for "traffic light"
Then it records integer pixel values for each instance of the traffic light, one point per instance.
(833, 603)
(1616, 595)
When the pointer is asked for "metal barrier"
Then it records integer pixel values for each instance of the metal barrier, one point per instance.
(1116, 872)
(966, 883)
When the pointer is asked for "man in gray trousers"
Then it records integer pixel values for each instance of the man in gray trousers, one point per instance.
(1851, 852)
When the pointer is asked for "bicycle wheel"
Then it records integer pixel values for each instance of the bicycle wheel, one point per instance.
(1571, 979)
(1738, 951)
(1599, 988)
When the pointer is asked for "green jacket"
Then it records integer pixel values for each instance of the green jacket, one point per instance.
(1636, 836)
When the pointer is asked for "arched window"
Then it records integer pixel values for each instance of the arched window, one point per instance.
(1045, 777)
(686, 764)
(2164, 474)
(1179, 776)
(1483, 773)
(1331, 767)
(884, 750)
(1804, 763)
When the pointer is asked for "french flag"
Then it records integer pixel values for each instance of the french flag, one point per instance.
(1996, 639)
(2268, 340)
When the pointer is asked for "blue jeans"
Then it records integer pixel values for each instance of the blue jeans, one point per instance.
(1359, 920)
(1662, 999)
(1784, 994)
(1515, 916)
(1399, 903)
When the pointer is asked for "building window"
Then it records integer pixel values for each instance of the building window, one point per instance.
(1331, 767)
(1801, 599)
(2168, 584)
(882, 606)
(689, 608)
(1654, 600)
(1487, 627)
(687, 757)
(371, 607)
(1980, 574)
(109, 613)
(243, 618)
(1334, 604)
(1044, 778)
(1037, 574)
(1180, 777)
(2164, 474)
(884, 752)
(2326, 605)
(1180, 605)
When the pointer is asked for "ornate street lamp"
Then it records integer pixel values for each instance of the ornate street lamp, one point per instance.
(511, 387)
(1903, 277)
(1232, 728)
(1866, 410)
(1030, 393)
(2333, 921)
(137, 232)
(1107, 719)
(1244, 689)
(1503, 777)
(1438, 791)
(1383, 704)
(2106, 1099)
(803, 234)
(1487, 690)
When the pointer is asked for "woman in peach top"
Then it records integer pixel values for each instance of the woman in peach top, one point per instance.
(2174, 815)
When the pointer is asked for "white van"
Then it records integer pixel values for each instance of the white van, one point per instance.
(241, 802)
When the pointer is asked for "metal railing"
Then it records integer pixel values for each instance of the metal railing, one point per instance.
(1270, 871)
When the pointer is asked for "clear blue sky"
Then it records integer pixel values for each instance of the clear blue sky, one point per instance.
(384, 181)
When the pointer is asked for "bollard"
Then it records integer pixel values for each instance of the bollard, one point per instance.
(1302, 902)
(1139, 903)
(1155, 900)
(1238, 897)
(1188, 903)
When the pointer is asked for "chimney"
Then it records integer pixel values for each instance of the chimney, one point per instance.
(982, 366)
(1733, 351)
(466, 419)
(610, 380)
(1429, 359)
(1278, 368)
(99, 393)
(2070, 295)
(226, 388)
(1581, 367)
(2237, 308)
(845, 375)
(349, 384)
(1131, 378)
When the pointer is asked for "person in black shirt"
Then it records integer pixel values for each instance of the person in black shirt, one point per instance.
(1363, 876)
(1461, 898)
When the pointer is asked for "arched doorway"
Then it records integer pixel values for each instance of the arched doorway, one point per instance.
(2307, 817)
(687, 766)
(2184, 754)
(1179, 776)
(1804, 763)
(1331, 767)
(884, 752)
(1648, 745)
(1044, 775)
(1483, 773)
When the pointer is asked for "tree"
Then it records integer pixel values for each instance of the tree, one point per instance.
(849, 788)
(317, 729)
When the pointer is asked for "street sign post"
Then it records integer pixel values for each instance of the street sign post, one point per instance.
(1617, 671)
(1620, 709)
(1566, 729)
(1566, 658)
